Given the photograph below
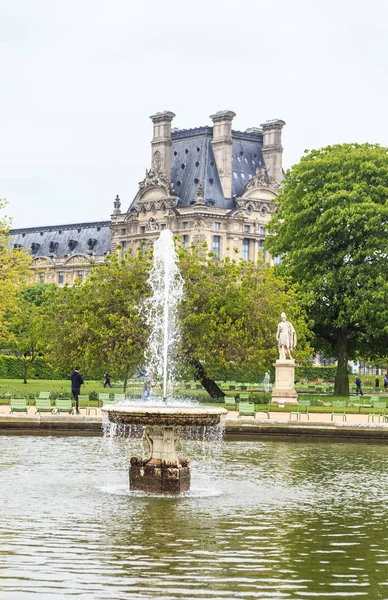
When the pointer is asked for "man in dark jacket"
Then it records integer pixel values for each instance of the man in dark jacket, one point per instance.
(76, 382)
(358, 386)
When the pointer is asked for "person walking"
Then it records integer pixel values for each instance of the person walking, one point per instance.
(358, 386)
(107, 380)
(385, 382)
(147, 387)
(377, 384)
(76, 382)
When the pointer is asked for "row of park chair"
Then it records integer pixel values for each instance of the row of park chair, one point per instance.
(245, 408)
(63, 405)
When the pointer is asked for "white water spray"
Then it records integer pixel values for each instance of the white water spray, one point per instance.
(161, 308)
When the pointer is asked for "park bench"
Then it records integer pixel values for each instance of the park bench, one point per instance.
(381, 406)
(43, 405)
(302, 404)
(246, 409)
(18, 405)
(63, 405)
(339, 404)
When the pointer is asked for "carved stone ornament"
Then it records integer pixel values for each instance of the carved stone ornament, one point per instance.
(163, 204)
(261, 179)
(77, 259)
(200, 194)
(199, 223)
(41, 262)
(117, 205)
(155, 178)
(157, 160)
(256, 205)
(152, 225)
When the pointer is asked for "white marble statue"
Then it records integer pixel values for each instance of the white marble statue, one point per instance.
(286, 338)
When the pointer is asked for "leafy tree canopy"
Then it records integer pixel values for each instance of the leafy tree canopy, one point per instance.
(13, 272)
(331, 230)
(230, 314)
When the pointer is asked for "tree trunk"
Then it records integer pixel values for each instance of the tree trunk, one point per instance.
(342, 378)
(126, 378)
(209, 384)
(25, 369)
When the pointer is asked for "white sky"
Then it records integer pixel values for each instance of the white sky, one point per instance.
(79, 79)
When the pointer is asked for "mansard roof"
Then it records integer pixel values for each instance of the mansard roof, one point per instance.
(64, 240)
(193, 162)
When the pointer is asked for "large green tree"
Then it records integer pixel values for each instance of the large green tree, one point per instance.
(229, 318)
(27, 324)
(99, 324)
(331, 230)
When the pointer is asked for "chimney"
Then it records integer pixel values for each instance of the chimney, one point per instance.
(272, 148)
(222, 148)
(161, 143)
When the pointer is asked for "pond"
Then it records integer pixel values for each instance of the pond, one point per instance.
(264, 519)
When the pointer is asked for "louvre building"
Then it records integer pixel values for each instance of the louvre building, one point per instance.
(208, 184)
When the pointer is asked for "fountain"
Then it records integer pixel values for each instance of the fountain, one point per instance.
(162, 471)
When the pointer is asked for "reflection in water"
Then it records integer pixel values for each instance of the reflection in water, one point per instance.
(269, 520)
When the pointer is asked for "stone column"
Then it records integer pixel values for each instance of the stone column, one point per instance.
(222, 148)
(284, 391)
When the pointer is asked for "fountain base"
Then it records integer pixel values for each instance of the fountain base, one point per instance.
(153, 477)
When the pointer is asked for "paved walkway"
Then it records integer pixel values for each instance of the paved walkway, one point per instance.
(274, 416)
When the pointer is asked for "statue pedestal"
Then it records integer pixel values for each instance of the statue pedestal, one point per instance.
(284, 392)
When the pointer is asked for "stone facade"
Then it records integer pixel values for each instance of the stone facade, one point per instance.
(218, 187)
(208, 184)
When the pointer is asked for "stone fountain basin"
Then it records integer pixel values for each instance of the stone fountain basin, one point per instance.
(164, 415)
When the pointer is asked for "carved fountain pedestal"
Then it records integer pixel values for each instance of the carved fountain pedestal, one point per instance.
(162, 471)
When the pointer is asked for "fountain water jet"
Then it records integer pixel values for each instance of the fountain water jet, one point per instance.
(162, 471)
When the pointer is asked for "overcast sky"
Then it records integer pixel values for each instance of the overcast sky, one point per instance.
(79, 79)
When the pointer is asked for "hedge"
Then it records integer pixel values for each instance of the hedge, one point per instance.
(314, 373)
(12, 367)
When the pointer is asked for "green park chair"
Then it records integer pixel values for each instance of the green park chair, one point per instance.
(265, 410)
(43, 405)
(339, 404)
(246, 409)
(86, 403)
(304, 405)
(381, 406)
(105, 399)
(18, 405)
(119, 397)
(44, 395)
(64, 405)
(231, 402)
(241, 386)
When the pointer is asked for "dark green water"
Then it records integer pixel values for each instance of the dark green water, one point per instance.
(269, 520)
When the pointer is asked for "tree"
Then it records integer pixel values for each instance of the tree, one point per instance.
(27, 325)
(229, 318)
(99, 324)
(331, 230)
(13, 272)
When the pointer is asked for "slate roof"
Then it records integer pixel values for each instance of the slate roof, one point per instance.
(64, 240)
(193, 162)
